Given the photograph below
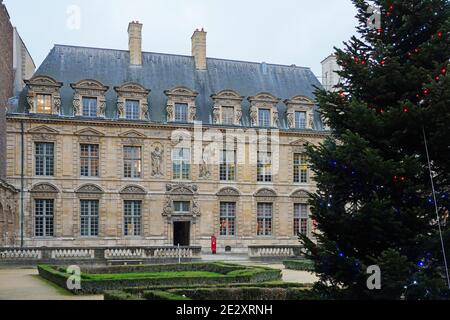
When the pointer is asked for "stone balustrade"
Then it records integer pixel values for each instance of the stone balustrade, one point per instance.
(274, 251)
(33, 256)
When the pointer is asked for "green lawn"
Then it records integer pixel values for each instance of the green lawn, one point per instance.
(118, 276)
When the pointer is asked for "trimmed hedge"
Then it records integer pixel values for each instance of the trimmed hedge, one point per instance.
(300, 265)
(163, 295)
(118, 295)
(91, 285)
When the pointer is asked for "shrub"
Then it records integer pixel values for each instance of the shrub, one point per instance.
(301, 265)
(118, 295)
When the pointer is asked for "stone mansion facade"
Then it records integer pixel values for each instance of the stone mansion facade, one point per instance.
(117, 149)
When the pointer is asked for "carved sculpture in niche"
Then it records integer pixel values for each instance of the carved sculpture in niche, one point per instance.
(121, 109)
(192, 114)
(170, 112)
(76, 104)
(254, 116)
(157, 161)
(101, 109)
(205, 166)
(290, 120)
(311, 122)
(216, 114)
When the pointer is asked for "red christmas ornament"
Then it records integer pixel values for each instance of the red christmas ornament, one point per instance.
(382, 62)
(405, 109)
(440, 34)
(444, 71)
(437, 78)
(426, 91)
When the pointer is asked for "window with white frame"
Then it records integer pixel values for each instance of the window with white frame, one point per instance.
(89, 218)
(89, 160)
(44, 159)
(181, 159)
(181, 207)
(89, 107)
(132, 159)
(300, 120)
(265, 218)
(228, 115)
(300, 219)
(181, 112)
(132, 110)
(132, 218)
(300, 168)
(264, 117)
(228, 165)
(227, 218)
(264, 166)
(44, 217)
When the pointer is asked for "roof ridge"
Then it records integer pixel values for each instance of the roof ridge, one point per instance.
(185, 56)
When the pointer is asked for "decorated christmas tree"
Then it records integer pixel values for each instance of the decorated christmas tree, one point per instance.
(375, 203)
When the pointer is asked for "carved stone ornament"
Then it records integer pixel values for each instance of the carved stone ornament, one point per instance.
(181, 189)
(89, 188)
(43, 85)
(228, 192)
(264, 100)
(157, 160)
(89, 89)
(300, 104)
(300, 194)
(44, 188)
(133, 190)
(181, 95)
(266, 195)
(227, 98)
(136, 92)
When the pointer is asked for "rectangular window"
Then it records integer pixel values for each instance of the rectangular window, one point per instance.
(265, 212)
(132, 110)
(44, 159)
(132, 218)
(182, 207)
(132, 162)
(264, 117)
(300, 120)
(89, 160)
(300, 219)
(264, 167)
(181, 159)
(44, 103)
(89, 107)
(227, 218)
(44, 218)
(228, 165)
(300, 168)
(228, 115)
(181, 112)
(89, 218)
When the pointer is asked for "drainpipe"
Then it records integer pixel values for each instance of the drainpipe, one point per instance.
(22, 184)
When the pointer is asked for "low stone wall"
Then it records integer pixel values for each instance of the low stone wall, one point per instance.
(96, 256)
(274, 252)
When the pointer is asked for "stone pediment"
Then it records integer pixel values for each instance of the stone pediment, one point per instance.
(181, 189)
(299, 142)
(266, 193)
(300, 100)
(181, 91)
(44, 188)
(43, 81)
(132, 87)
(228, 95)
(133, 189)
(302, 194)
(90, 189)
(133, 134)
(43, 130)
(89, 84)
(228, 192)
(264, 97)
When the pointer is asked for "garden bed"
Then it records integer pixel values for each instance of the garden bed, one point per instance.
(98, 280)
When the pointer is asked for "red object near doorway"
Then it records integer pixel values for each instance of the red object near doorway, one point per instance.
(213, 244)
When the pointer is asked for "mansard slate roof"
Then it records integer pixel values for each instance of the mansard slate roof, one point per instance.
(160, 72)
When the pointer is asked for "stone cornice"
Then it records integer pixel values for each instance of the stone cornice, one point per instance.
(149, 125)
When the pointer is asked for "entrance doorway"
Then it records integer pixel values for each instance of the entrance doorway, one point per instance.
(181, 234)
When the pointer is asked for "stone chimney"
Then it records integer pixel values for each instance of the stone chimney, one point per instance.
(199, 49)
(135, 42)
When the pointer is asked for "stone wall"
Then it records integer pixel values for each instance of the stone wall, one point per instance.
(6, 78)
(9, 217)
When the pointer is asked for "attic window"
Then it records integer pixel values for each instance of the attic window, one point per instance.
(181, 105)
(43, 95)
(89, 107)
(132, 110)
(181, 112)
(44, 103)
(227, 108)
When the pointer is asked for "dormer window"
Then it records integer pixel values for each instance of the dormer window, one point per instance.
(264, 118)
(227, 109)
(44, 103)
(132, 110)
(300, 120)
(43, 95)
(181, 105)
(300, 113)
(264, 110)
(132, 102)
(89, 99)
(89, 107)
(181, 112)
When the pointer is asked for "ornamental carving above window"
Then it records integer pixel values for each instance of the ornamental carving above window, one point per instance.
(227, 107)
(43, 95)
(300, 113)
(264, 102)
(177, 98)
(92, 92)
(132, 102)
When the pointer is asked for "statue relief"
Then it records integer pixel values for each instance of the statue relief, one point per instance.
(216, 114)
(254, 115)
(205, 170)
(157, 161)
(170, 112)
(101, 108)
(290, 120)
(120, 109)
(238, 116)
(311, 122)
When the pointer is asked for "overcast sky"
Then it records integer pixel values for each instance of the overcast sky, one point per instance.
(287, 32)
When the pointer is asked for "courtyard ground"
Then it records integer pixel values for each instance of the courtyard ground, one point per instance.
(25, 284)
